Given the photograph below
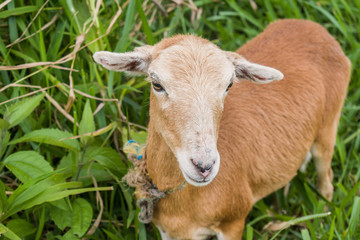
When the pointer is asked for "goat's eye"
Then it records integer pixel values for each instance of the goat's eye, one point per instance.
(157, 87)
(229, 86)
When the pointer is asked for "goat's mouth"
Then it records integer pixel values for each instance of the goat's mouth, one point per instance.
(198, 182)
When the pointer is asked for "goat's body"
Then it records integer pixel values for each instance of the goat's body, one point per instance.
(261, 132)
(265, 133)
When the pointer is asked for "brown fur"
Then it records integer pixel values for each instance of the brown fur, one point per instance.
(264, 134)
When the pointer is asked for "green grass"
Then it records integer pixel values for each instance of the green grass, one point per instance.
(53, 188)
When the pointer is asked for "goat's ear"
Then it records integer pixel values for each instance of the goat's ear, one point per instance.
(253, 72)
(136, 62)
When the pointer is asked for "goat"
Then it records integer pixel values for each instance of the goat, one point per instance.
(262, 129)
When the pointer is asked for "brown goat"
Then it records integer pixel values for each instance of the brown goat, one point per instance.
(261, 132)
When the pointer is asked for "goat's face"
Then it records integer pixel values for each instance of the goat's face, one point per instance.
(190, 79)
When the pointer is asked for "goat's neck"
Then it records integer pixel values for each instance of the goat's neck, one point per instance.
(162, 165)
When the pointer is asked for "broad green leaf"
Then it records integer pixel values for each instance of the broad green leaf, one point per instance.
(108, 158)
(87, 124)
(8, 233)
(93, 169)
(27, 165)
(44, 189)
(54, 137)
(62, 194)
(90, 169)
(3, 198)
(21, 227)
(20, 110)
(35, 184)
(50, 194)
(63, 204)
(61, 217)
(32, 188)
(82, 215)
(69, 236)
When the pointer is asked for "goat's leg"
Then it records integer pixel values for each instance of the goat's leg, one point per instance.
(231, 230)
(322, 151)
(164, 235)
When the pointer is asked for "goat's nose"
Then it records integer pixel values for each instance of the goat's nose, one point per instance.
(203, 169)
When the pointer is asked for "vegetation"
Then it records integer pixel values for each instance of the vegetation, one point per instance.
(64, 120)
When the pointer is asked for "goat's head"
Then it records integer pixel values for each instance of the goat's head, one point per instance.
(190, 79)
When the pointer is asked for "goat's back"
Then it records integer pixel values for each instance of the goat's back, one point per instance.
(267, 130)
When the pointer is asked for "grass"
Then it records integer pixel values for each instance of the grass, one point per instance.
(53, 188)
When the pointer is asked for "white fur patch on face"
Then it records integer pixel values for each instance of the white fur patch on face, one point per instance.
(195, 76)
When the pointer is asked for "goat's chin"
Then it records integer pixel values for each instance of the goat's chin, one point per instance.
(195, 182)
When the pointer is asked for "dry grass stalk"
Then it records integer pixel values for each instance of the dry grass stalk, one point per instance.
(253, 5)
(33, 34)
(68, 57)
(60, 109)
(22, 79)
(92, 97)
(4, 3)
(101, 105)
(57, 121)
(95, 133)
(100, 202)
(277, 225)
(160, 7)
(79, 40)
(114, 222)
(95, 16)
(24, 66)
(113, 21)
(28, 94)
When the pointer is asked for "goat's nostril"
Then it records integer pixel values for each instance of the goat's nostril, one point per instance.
(208, 166)
(203, 169)
(205, 173)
